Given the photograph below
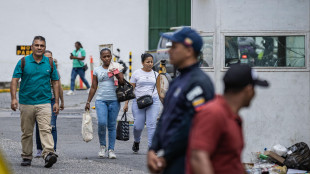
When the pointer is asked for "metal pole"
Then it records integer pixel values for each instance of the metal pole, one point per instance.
(160, 68)
(130, 66)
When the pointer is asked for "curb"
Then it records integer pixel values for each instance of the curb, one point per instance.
(4, 90)
(8, 90)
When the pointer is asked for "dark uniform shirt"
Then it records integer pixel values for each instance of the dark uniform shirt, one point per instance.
(186, 94)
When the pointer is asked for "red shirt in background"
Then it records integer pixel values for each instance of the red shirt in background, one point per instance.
(217, 130)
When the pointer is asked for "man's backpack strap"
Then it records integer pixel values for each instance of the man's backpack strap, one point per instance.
(51, 63)
(23, 62)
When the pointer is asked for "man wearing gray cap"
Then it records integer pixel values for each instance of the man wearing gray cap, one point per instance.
(186, 94)
(216, 139)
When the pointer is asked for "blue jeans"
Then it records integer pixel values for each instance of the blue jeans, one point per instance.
(148, 115)
(54, 129)
(107, 112)
(81, 73)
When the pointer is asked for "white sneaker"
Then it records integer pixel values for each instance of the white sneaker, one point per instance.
(102, 151)
(70, 92)
(112, 154)
(39, 154)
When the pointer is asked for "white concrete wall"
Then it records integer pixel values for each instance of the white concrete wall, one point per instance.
(121, 23)
(279, 114)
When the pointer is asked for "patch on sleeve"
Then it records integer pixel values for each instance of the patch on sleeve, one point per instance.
(177, 92)
(199, 103)
(196, 91)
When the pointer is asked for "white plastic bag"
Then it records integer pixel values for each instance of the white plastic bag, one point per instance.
(87, 127)
(279, 149)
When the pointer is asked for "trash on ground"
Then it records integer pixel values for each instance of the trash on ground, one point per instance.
(274, 156)
(280, 160)
(279, 149)
(298, 157)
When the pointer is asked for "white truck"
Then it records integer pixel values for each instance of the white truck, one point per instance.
(161, 53)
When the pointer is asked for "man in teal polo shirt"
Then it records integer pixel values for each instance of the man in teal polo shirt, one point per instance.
(35, 100)
(78, 57)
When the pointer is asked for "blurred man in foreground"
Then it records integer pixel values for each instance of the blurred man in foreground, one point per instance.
(216, 139)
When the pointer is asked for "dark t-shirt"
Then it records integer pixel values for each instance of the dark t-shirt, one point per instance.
(186, 95)
(217, 130)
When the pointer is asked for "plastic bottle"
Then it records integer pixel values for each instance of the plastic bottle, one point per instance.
(262, 156)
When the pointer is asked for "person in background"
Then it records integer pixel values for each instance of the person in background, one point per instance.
(37, 74)
(231, 50)
(49, 54)
(144, 80)
(186, 94)
(216, 139)
(107, 105)
(78, 56)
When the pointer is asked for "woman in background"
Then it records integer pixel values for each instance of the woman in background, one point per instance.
(144, 80)
(107, 105)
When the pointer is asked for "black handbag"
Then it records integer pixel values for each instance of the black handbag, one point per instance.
(298, 157)
(146, 100)
(125, 92)
(85, 67)
(122, 130)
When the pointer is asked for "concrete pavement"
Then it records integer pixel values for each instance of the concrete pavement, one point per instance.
(75, 156)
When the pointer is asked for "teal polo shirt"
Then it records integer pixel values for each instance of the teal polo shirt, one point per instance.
(79, 53)
(35, 85)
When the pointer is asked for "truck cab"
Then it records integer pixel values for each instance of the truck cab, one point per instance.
(161, 53)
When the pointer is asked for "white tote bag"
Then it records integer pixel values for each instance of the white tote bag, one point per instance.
(87, 127)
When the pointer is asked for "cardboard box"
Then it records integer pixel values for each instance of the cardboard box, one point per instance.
(274, 156)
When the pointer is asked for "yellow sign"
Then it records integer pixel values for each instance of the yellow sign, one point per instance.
(23, 50)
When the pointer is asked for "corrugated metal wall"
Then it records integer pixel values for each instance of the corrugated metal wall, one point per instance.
(164, 14)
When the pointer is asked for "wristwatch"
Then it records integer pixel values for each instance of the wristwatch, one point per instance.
(87, 102)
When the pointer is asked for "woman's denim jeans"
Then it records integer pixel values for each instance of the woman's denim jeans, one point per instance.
(107, 112)
(146, 115)
(81, 73)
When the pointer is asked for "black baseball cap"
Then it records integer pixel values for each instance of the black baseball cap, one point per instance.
(240, 75)
(186, 36)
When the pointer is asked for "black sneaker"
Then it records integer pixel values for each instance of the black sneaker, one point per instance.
(135, 146)
(50, 159)
(26, 162)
